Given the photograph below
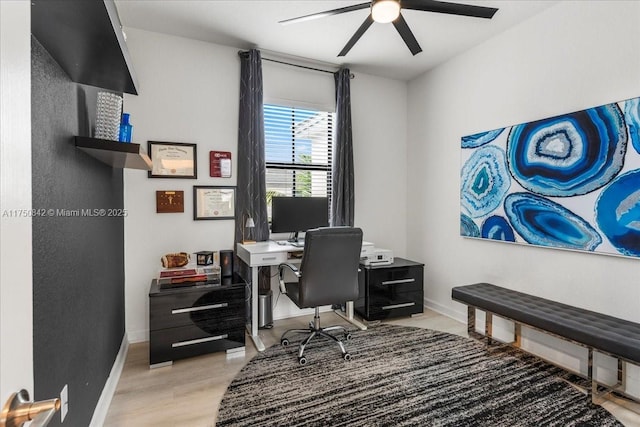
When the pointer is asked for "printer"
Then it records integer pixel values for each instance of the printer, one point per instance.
(366, 249)
(377, 256)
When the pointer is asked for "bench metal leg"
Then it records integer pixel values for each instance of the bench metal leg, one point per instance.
(615, 393)
(594, 384)
(488, 326)
(599, 392)
(590, 365)
(517, 335)
(471, 322)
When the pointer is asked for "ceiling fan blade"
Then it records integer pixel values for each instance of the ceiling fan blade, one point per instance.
(364, 27)
(326, 13)
(450, 8)
(406, 34)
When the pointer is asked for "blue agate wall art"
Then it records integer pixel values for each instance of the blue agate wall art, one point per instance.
(570, 182)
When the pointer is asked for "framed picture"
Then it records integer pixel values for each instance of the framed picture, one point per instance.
(173, 160)
(220, 164)
(567, 182)
(213, 202)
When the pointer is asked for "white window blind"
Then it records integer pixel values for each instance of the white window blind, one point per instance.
(298, 152)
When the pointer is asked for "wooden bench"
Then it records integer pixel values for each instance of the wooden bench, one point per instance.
(615, 337)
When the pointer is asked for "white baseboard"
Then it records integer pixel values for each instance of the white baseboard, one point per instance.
(138, 336)
(100, 413)
(446, 311)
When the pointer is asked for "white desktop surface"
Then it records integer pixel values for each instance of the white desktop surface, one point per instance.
(265, 253)
(270, 253)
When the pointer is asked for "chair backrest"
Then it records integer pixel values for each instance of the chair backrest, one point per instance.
(329, 266)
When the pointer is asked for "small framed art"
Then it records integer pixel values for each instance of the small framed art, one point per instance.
(220, 164)
(169, 201)
(213, 202)
(173, 160)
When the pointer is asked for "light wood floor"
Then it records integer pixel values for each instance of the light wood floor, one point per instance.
(188, 393)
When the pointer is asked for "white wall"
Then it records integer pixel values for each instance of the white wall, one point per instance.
(189, 93)
(572, 56)
(379, 114)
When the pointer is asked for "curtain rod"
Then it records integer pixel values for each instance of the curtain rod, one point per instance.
(351, 75)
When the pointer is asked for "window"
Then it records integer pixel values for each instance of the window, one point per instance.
(298, 148)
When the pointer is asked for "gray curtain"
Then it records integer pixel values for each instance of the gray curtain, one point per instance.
(342, 203)
(251, 193)
(251, 199)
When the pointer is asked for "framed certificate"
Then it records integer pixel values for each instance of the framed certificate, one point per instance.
(213, 202)
(220, 164)
(173, 160)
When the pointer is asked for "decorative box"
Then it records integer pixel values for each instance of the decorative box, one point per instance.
(204, 257)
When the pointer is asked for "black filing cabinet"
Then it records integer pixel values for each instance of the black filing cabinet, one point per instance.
(194, 320)
(388, 291)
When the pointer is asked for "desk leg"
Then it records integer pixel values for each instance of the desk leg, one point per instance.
(348, 316)
(253, 330)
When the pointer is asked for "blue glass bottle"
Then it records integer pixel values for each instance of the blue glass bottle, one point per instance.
(126, 129)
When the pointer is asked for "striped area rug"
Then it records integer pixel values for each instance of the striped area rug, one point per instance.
(401, 376)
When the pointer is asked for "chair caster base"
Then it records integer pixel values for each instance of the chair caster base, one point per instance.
(315, 330)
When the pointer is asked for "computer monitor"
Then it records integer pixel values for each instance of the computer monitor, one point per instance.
(296, 214)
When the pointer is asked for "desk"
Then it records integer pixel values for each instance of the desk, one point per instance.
(266, 254)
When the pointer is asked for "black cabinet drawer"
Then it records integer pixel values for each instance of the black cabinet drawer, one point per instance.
(208, 325)
(390, 304)
(179, 309)
(405, 279)
(187, 341)
(390, 291)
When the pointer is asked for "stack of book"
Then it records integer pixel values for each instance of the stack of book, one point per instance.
(188, 276)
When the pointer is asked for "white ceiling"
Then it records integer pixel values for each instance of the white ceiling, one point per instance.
(380, 51)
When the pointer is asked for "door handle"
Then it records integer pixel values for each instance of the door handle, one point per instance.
(19, 409)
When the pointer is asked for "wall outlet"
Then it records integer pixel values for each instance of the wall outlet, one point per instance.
(64, 402)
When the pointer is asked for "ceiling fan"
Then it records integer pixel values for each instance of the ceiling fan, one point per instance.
(385, 11)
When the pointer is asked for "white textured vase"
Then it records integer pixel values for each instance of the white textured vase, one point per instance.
(108, 113)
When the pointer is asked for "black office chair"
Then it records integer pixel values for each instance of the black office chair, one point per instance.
(328, 274)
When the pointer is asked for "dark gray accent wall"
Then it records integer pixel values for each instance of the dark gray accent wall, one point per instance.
(78, 259)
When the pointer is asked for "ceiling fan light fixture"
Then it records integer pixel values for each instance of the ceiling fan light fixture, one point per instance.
(385, 11)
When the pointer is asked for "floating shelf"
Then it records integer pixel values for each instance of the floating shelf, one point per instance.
(124, 155)
(86, 39)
